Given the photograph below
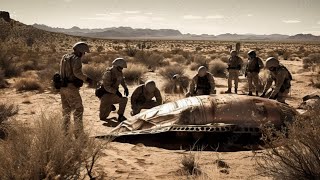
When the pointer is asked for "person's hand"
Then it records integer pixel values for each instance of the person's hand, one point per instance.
(263, 94)
(118, 93)
(126, 92)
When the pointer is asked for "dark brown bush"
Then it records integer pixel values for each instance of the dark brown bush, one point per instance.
(293, 152)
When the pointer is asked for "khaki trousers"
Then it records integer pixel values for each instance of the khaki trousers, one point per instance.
(233, 75)
(253, 81)
(107, 100)
(71, 101)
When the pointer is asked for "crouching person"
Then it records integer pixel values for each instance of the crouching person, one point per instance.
(111, 80)
(282, 78)
(202, 83)
(142, 97)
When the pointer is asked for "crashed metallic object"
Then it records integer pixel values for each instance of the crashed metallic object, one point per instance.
(208, 113)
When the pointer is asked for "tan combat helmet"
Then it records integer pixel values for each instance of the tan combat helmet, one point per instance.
(81, 47)
(233, 53)
(272, 62)
(252, 53)
(150, 86)
(119, 62)
(202, 71)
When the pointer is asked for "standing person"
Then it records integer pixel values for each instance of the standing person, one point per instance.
(112, 78)
(282, 78)
(142, 97)
(234, 67)
(72, 79)
(254, 66)
(202, 83)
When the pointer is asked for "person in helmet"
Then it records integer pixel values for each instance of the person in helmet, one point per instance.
(253, 68)
(111, 80)
(234, 67)
(282, 78)
(202, 83)
(142, 97)
(72, 78)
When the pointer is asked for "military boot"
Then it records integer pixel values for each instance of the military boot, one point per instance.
(228, 91)
(236, 90)
(121, 118)
(250, 93)
(257, 93)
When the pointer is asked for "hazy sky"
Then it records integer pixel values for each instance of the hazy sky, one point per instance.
(188, 16)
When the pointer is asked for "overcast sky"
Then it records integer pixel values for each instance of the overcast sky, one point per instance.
(189, 16)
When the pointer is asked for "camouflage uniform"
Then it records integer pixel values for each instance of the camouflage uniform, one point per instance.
(282, 79)
(142, 99)
(112, 78)
(234, 66)
(202, 85)
(252, 71)
(70, 69)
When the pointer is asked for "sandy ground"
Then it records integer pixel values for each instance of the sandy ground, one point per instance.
(129, 161)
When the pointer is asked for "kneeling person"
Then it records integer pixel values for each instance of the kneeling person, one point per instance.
(112, 78)
(202, 83)
(282, 78)
(142, 97)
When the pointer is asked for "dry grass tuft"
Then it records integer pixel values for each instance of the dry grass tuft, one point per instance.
(198, 61)
(169, 71)
(3, 82)
(44, 152)
(28, 84)
(311, 61)
(218, 68)
(133, 74)
(298, 157)
(189, 165)
(95, 72)
(151, 59)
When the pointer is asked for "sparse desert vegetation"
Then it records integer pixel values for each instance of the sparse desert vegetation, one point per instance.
(298, 156)
(44, 152)
(27, 65)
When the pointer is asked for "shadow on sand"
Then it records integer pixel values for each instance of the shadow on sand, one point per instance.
(221, 142)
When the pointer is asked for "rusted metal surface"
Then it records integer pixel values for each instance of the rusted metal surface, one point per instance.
(209, 113)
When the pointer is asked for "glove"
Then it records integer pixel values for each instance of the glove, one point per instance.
(263, 94)
(89, 80)
(118, 93)
(126, 92)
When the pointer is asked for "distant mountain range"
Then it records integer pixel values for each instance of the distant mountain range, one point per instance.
(131, 33)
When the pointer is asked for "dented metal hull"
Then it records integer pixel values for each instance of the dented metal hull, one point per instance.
(208, 113)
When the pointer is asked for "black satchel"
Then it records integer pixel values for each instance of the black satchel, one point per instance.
(100, 91)
(57, 82)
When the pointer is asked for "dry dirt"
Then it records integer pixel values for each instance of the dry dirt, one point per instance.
(129, 161)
